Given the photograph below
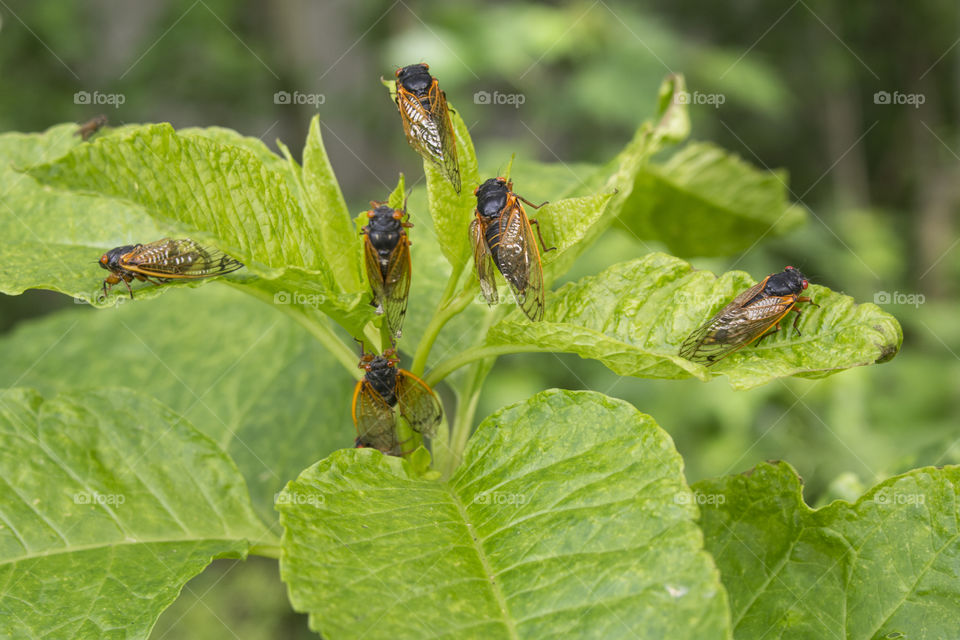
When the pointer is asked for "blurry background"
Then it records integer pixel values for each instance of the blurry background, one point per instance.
(858, 101)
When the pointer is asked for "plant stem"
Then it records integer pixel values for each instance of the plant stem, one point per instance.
(448, 366)
(447, 308)
(266, 550)
(466, 408)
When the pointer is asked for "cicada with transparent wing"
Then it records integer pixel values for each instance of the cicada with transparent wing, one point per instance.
(386, 250)
(163, 261)
(91, 126)
(748, 318)
(502, 235)
(426, 119)
(383, 389)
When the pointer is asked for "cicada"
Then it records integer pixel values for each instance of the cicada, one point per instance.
(163, 261)
(383, 388)
(426, 119)
(91, 126)
(502, 235)
(748, 318)
(386, 249)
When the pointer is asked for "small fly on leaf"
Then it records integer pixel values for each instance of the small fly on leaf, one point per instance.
(386, 250)
(502, 235)
(91, 126)
(426, 119)
(383, 388)
(748, 318)
(163, 261)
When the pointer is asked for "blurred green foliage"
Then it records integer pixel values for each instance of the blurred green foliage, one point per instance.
(798, 83)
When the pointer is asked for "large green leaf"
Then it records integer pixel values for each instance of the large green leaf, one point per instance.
(250, 378)
(52, 239)
(110, 503)
(634, 316)
(887, 566)
(569, 517)
(705, 201)
(228, 194)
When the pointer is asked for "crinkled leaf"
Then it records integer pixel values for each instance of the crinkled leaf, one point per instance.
(220, 193)
(328, 210)
(886, 566)
(236, 368)
(705, 201)
(569, 517)
(52, 239)
(224, 191)
(111, 502)
(634, 316)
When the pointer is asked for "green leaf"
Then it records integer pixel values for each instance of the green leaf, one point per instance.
(569, 517)
(330, 214)
(705, 201)
(201, 184)
(883, 567)
(47, 243)
(634, 316)
(214, 192)
(248, 377)
(673, 125)
(111, 502)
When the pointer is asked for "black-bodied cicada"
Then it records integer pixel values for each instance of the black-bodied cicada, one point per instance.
(426, 119)
(748, 318)
(502, 235)
(163, 261)
(386, 250)
(91, 126)
(383, 388)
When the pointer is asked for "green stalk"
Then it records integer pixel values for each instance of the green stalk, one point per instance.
(447, 308)
(266, 550)
(448, 366)
(466, 409)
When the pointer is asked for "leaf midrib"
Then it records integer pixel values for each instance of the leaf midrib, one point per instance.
(487, 567)
(104, 545)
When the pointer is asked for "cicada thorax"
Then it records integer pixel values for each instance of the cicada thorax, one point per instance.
(382, 376)
(492, 198)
